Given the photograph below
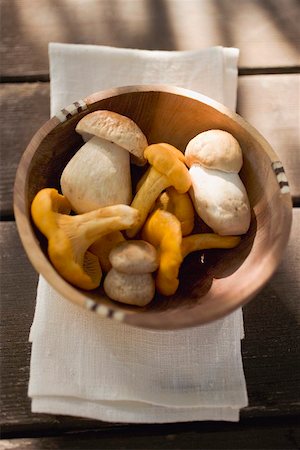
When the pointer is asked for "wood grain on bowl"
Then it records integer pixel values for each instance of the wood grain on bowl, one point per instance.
(228, 279)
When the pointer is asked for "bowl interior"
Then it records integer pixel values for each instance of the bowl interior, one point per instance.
(211, 284)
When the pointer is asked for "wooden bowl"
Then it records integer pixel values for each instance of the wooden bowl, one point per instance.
(228, 278)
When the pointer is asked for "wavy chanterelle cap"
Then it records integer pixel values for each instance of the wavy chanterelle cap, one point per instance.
(163, 231)
(167, 169)
(180, 205)
(69, 237)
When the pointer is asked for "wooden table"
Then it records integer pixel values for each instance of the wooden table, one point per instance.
(267, 33)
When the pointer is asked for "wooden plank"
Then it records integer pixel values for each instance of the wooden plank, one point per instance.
(199, 436)
(266, 31)
(270, 349)
(269, 102)
(25, 107)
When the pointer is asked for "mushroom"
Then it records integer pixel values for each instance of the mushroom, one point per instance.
(69, 237)
(167, 169)
(180, 205)
(99, 173)
(103, 246)
(205, 241)
(219, 196)
(116, 128)
(130, 280)
(163, 230)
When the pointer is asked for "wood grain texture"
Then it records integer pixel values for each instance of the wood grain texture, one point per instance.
(268, 102)
(276, 436)
(25, 107)
(266, 31)
(270, 348)
(271, 103)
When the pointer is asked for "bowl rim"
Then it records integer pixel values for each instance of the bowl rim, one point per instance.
(42, 264)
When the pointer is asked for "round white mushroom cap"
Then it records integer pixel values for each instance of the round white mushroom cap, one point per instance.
(115, 128)
(133, 289)
(215, 149)
(135, 256)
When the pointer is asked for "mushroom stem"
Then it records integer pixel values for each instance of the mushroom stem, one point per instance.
(88, 227)
(145, 197)
(167, 169)
(206, 241)
(69, 237)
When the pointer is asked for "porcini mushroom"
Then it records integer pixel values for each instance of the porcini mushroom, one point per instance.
(218, 194)
(116, 128)
(130, 280)
(99, 173)
(134, 289)
(135, 256)
(69, 237)
(167, 169)
(163, 230)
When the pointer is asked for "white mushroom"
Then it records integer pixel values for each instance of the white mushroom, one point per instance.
(130, 280)
(115, 128)
(135, 256)
(218, 194)
(220, 199)
(98, 175)
(133, 289)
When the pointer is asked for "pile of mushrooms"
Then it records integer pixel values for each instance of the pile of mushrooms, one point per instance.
(140, 243)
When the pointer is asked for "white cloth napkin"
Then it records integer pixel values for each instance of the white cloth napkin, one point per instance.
(84, 365)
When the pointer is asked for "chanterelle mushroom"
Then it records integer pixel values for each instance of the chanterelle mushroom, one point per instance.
(69, 237)
(205, 241)
(167, 169)
(99, 173)
(218, 194)
(163, 230)
(130, 280)
(180, 205)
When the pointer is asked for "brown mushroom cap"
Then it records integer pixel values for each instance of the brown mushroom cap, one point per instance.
(215, 149)
(136, 256)
(115, 128)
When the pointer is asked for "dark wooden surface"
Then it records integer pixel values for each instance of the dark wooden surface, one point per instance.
(267, 33)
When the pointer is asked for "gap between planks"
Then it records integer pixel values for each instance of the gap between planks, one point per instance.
(45, 77)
